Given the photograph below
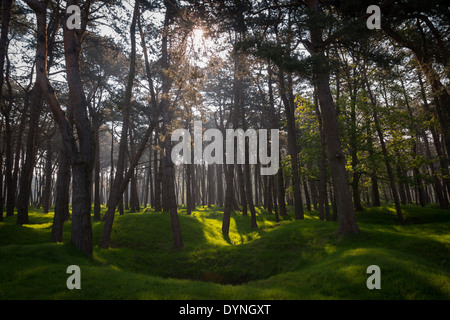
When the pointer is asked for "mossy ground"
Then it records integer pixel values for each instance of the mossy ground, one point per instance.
(289, 259)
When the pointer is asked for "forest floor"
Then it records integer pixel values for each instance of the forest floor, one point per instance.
(290, 259)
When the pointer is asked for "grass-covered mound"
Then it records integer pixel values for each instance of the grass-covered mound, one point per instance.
(285, 260)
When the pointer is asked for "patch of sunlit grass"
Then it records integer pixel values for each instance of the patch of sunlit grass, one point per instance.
(290, 259)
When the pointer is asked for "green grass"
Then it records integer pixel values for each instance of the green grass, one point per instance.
(280, 260)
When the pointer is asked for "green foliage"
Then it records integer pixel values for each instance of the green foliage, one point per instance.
(286, 260)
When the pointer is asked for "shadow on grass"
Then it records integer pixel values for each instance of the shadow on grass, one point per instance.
(142, 243)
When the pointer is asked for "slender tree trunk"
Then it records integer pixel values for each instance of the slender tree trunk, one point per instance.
(401, 185)
(134, 197)
(117, 190)
(443, 161)
(228, 200)
(336, 158)
(274, 197)
(48, 179)
(97, 216)
(211, 185)
(307, 195)
(26, 175)
(157, 173)
(385, 153)
(249, 193)
(324, 210)
(354, 158)
(169, 177)
(242, 192)
(288, 101)
(188, 189)
(281, 193)
(62, 198)
(6, 6)
(19, 139)
(220, 184)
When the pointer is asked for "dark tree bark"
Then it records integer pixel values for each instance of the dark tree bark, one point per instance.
(336, 158)
(169, 200)
(97, 216)
(188, 190)
(6, 108)
(289, 104)
(80, 152)
(324, 209)
(116, 193)
(134, 197)
(26, 175)
(219, 168)
(6, 18)
(19, 139)
(242, 191)
(249, 193)
(281, 193)
(228, 199)
(48, 178)
(280, 189)
(62, 198)
(274, 197)
(6, 6)
(157, 174)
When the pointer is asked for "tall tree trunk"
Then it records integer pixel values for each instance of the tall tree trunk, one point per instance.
(48, 178)
(81, 149)
(288, 101)
(443, 161)
(281, 193)
(249, 193)
(336, 158)
(26, 175)
(274, 197)
(228, 200)
(83, 163)
(219, 168)
(157, 173)
(354, 156)
(97, 216)
(6, 6)
(274, 124)
(324, 210)
(62, 198)
(169, 171)
(242, 191)
(188, 189)
(134, 197)
(438, 188)
(116, 192)
(19, 139)
(385, 153)
(211, 185)
(307, 195)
